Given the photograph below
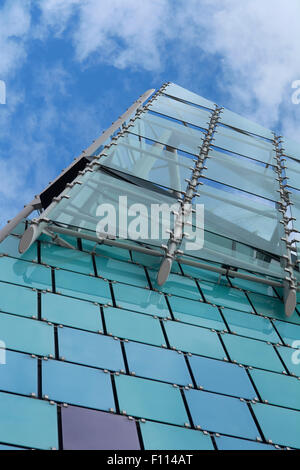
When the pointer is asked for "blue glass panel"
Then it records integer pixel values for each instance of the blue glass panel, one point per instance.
(157, 436)
(149, 399)
(4, 447)
(157, 363)
(183, 286)
(27, 335)
(120, 271)
(277, 389)
(106, 250)
(221, 414)
(291, 358)
(10, 245)
(77, 385)
(135, 326)
(141, 300)
(71, 312)
(194, 339)
(225, 296)
(239, 122)
(18, 300)
(271, 307)
(82, 287)
(289, 333)
(25, 273)
(65, 258)
(19, 373)
(231, 443)
(280, 425)
(28, 422)
(222, 377)
(253, 353)
(179, 92)
(250, 325)
(90, 349)
(197, 313)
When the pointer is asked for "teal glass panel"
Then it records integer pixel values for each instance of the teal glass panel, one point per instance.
(250, 325)
(28, 422)
(277, 389)
(251, 352)
(82, 286)
(65, 258)
(20, 228)
(77, 385)
(157, 363)
(295, 209)
(249, 146)
(106, 250)
(141, 300)
(242, 173)
(251, 286)
(239, 122)
(25, 273)
(280, 425)
(153, 262)
(157, 436)
(271, 307)
(197, 313)
(291, 359)
(135, 326)
(225, 296)
(120, 271)
(289, 333)
(18, 300)
(181, 111)
(27, 335)
(4, 447)
(183, 286)
(149, 399)
(231, 443)
(19, 373)
(221, 414)
(170, 133)
(293, 172)
(204, 274)
(10, 245)
(71, 312)
(178, 92)
(90, 349)
(221, 377)
(194, 339)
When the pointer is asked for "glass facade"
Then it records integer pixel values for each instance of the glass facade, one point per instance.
(96, 354)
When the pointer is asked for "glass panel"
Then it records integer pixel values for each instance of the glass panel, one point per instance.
(293, 172)
(157, 363)
(4, 447)
(280, 425)
(242, 173)
(19, 373)
(110, 251)
(157, 436)
(221, 414)
(225, 296)
(153, 262)
(250, 325)
(291, 358)
(253, 353)
(181, 111)
(178, 92)
(251, 286)
(71, 312)
(10, 245)
(271, 307)
(141, 300)
(27, 335)
(135, 326)
(95, 430)
(277, 389)
(204, 274)
(28, 422)
(148, 399)
(120, 271)
(249, 146)
(90, 349)
(291, 148)
(289, 333)
(77, 385)
(74, 260)
(18, 300)
(221, 377)
(295, 210)
(230, 443)
(194, 339)
(197, 313)
(25, 273)
(82, 287)
(183, 286)
(239, 122)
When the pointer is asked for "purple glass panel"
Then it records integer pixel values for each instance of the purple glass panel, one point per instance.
(85, 429)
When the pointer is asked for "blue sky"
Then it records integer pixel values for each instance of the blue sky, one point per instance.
(71, 67)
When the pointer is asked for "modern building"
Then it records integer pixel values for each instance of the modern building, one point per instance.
(126, 327)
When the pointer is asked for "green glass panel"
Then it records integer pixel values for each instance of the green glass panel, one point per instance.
(179, 92)
(225, 296)
(135, 326)
(141, 300)
(10, 245)
(65, 258)
(82, 286)
(120, 271)
(25, 273)
(71, 312)
(157, 436)
(149, 399)
(18, 300)
(291, 359)
(289, 333)
(197, 313)
(183, 286)
(194, 339)
(239, 122)
(271, 307)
